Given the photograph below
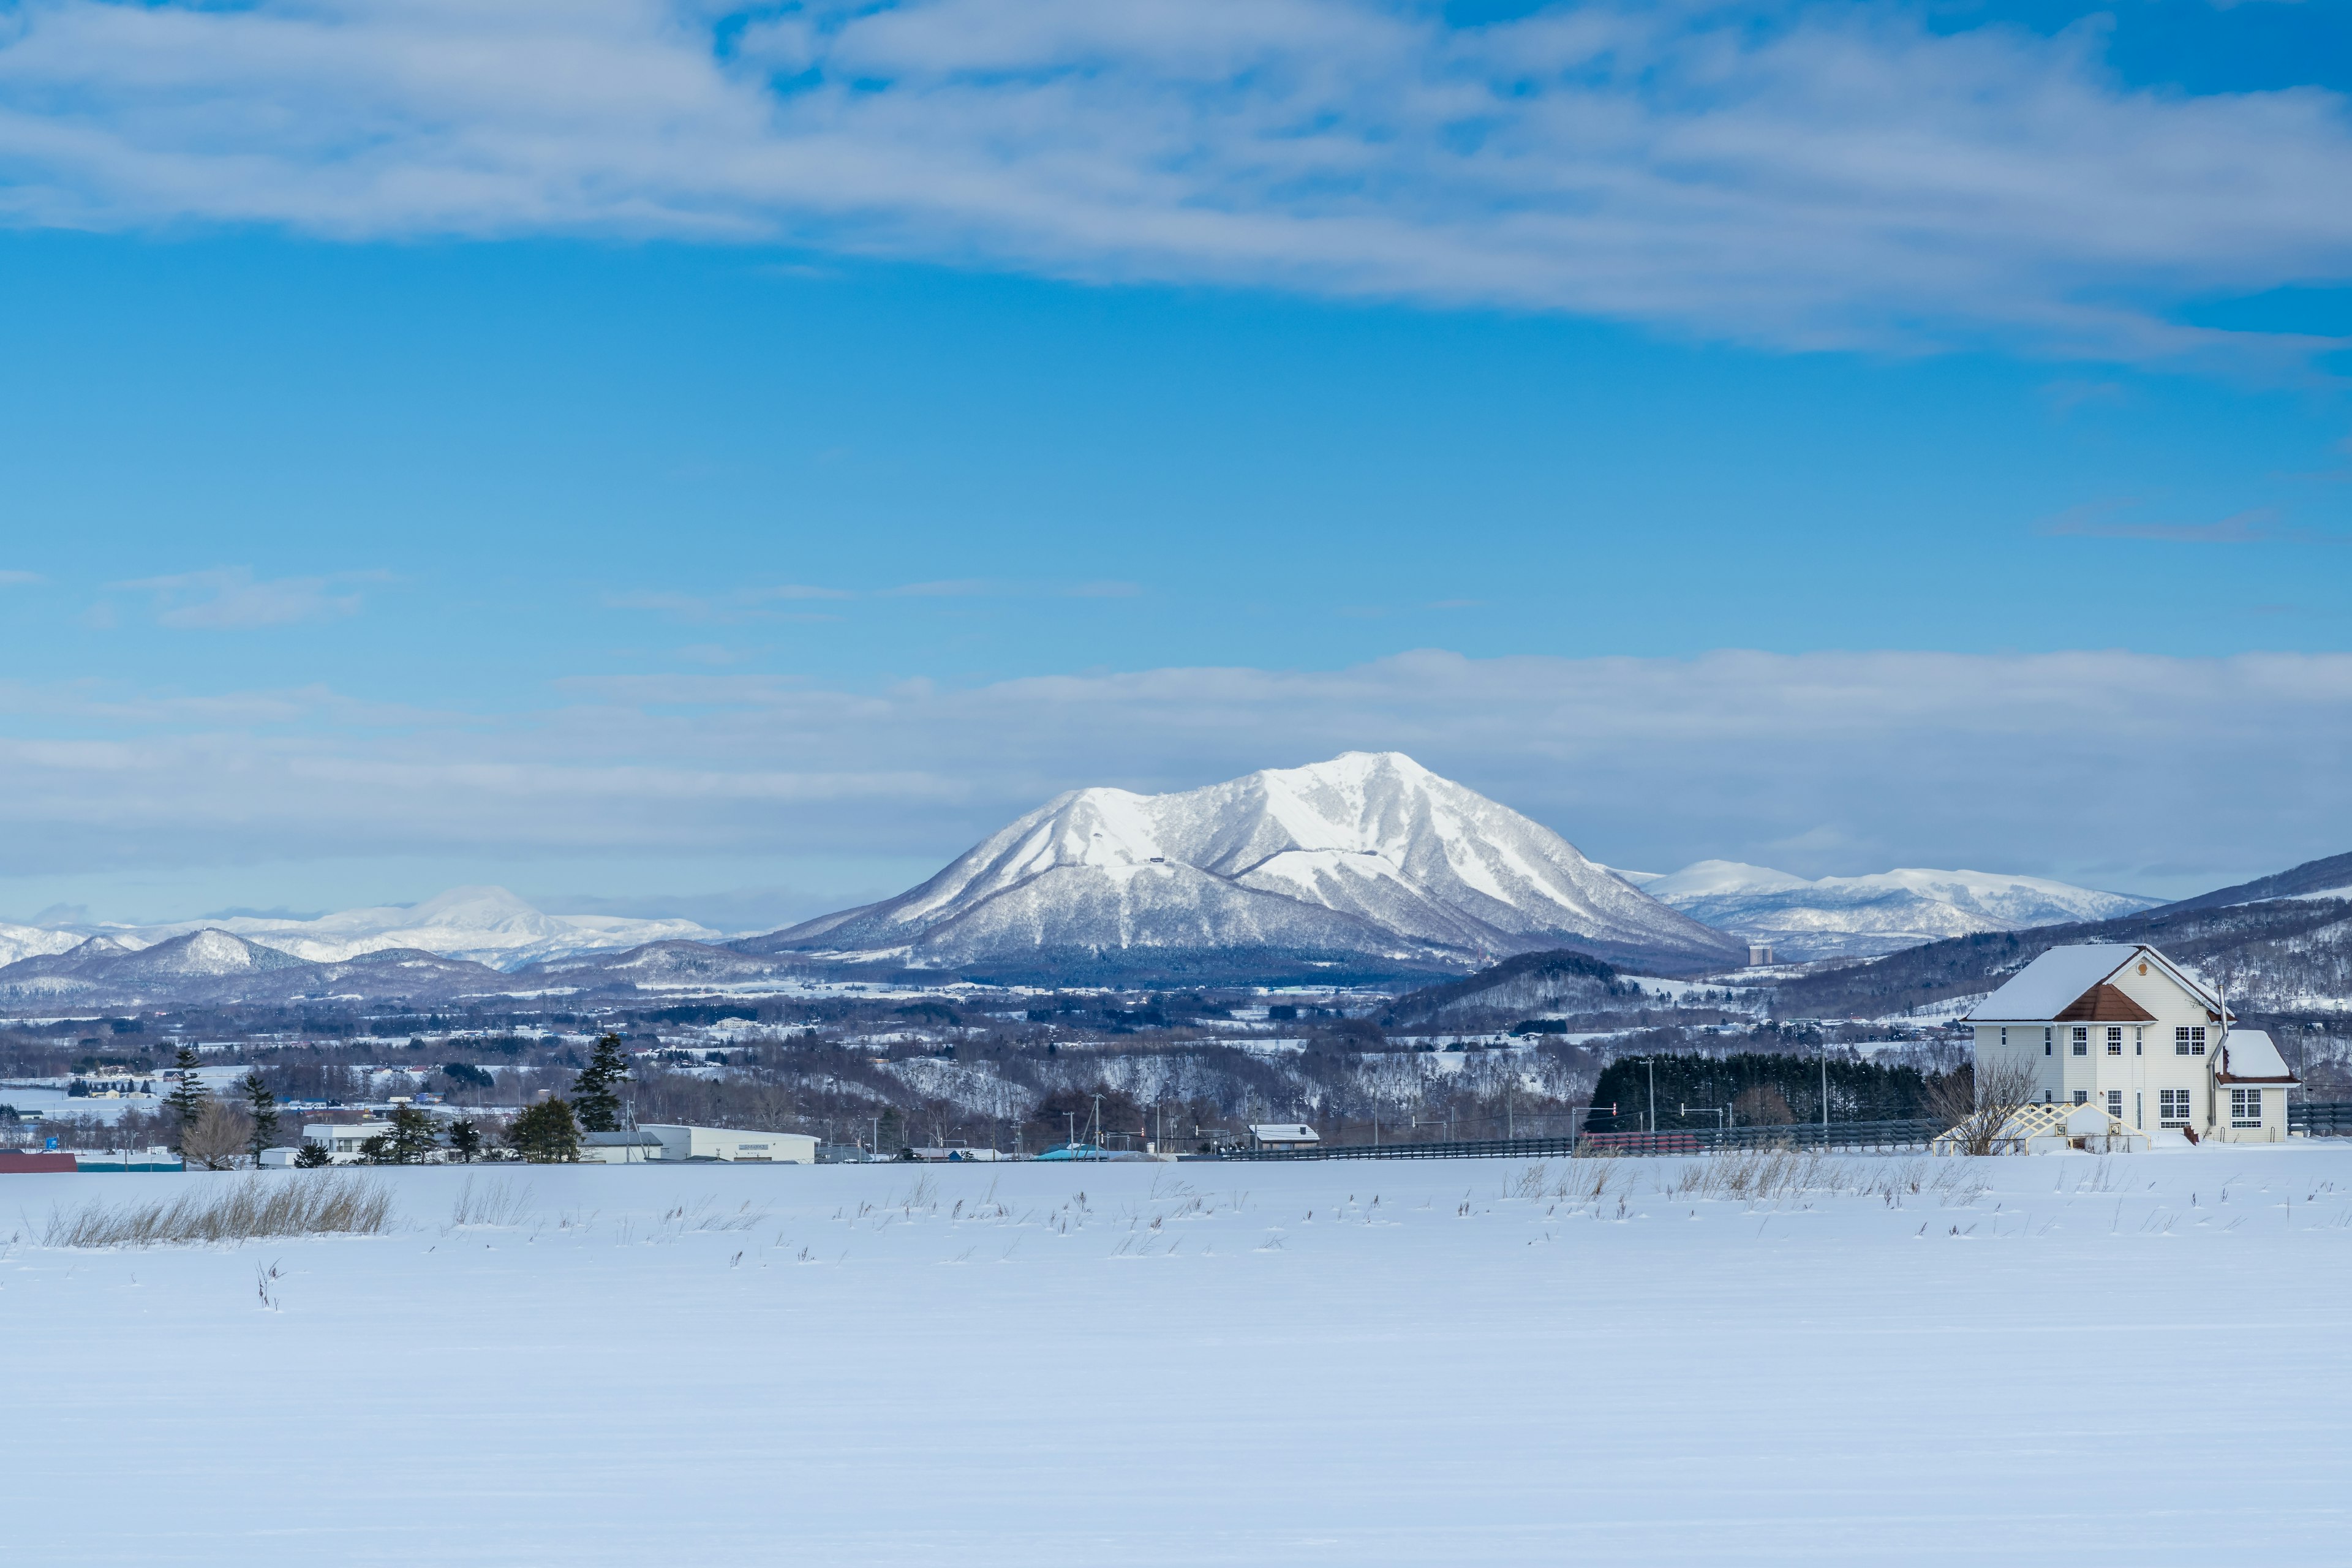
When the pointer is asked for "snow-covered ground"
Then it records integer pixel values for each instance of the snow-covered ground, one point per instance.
(2089, 1361)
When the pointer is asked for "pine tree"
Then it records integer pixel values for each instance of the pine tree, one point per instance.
(186, 1099)
(596, 1092)
(465, 1140)
(261, 1108)
(411, 1136)
(313, 1154)
(546, 1134)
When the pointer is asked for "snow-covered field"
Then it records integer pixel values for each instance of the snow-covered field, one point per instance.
(2141, 1360)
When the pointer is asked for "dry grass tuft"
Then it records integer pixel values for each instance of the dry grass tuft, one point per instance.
(1751, 1173)
(497, 1201)
(240, 1210)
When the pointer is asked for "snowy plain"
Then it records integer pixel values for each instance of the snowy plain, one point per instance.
(2138, 1360)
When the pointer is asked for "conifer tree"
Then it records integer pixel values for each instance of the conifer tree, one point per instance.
(465, 1140)
(186, 1099)
(545, 1133)
(411, 1138)
(313, 1154)
(261, 1110)
(595, 1092)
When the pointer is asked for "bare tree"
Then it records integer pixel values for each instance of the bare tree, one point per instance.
(215, 1138)
(1977, 1102)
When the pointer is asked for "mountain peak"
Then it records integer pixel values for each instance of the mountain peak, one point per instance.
(1368, 853)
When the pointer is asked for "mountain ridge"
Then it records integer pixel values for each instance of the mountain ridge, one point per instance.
(1882, 912)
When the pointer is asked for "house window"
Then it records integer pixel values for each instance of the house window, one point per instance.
(2245, 1108)
(2115, 1042)
(2115, 1103)
(2082, 1042)
(2172, 1107)
(2188, 1042)
(2082, 1096)
(2045, 1042)
(2004, 1039)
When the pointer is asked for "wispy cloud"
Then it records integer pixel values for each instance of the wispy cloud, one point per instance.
(1843, 757)
(20, 579)
(231, 598)
(1833, 175)
(953, 588)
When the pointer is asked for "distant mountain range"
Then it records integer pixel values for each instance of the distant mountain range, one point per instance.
(2282, 953)
(1864, 917)
(1367, 860)
(219, 966)
(1363, 867)
(487, 925)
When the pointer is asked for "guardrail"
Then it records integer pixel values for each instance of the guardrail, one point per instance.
(1855, 1135)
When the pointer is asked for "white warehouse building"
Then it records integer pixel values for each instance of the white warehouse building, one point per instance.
(735, 1146)
(2121, 1028)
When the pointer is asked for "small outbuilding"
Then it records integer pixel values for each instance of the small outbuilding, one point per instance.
(1283, 1135)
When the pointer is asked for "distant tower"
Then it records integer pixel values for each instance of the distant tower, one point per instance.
(1758, 953)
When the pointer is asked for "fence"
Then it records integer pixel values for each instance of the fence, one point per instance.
(1870, 1135)
(2321, 1118)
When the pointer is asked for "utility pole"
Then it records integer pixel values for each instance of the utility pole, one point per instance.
(1652, 1063)
(1825, 1087)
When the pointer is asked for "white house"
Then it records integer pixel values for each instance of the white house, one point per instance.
(2119, 1027)
(1284, 1134)
(727, 1144)
(343, 1139)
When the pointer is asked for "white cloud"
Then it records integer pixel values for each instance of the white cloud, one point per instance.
(20, 579)
(2125, 770)
(230, 598)
(1825, 175)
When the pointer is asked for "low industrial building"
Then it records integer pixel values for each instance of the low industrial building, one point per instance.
(1283, 1135)
(636, 1147)
(734, 1146)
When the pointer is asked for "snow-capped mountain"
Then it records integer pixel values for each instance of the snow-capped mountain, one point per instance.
(1367, 856)
(33, 942)
(484, 925)
(1832, 917)
(216, 965)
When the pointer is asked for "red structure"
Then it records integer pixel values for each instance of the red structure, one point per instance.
(13, 1160)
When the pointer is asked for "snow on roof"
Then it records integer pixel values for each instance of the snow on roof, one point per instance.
(2248, 1056)
(2038, 991)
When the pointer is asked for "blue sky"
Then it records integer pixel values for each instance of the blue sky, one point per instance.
(668, 461)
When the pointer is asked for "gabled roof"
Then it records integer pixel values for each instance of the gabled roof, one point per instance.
(2248, 1056)
(2050, 988)
(2043, 988)
(2102, 1004)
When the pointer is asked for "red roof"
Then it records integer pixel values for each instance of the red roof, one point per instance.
(13, 1160)
(2102, 1004)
